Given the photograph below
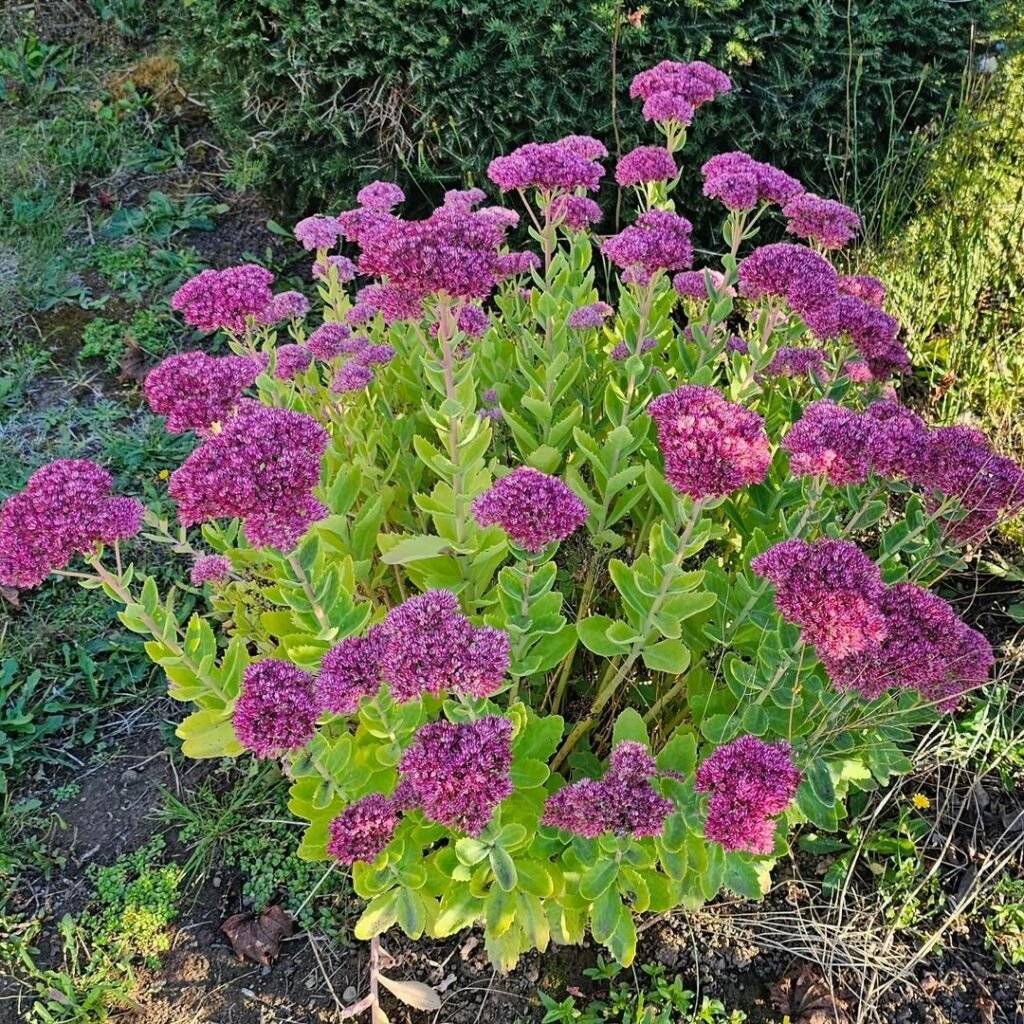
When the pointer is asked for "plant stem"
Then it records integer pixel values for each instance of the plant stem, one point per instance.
(444, 335)
(614, 676)
(307, 589)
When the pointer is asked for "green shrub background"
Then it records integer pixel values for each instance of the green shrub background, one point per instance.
(317, 97)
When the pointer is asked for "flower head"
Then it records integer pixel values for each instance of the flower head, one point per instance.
(832, 441)
(194, 390)
(927, 648)
(353, 376)
(261, 468)
(291, 360)
(342, 265)
(623, 802)
(327, 341)
(459, 773)
(534, 509)
(831, 590)
(679, 88)
(224, 299)
(210, 569)
(363, 829)
(350, 671)
(797, 362)
(65, 509)
(318, 232)
(824, 221)
(277, 709)
(283, 306)
(873, 332)
(749, 782)
(574, 213)
(646, 164)
(865, 287)
(589, 317)
(566, 165)
(711, 446)
(741, 182)
(659, 240)
(429, 646)
(380, 196)
(807, 281)
(694, 284)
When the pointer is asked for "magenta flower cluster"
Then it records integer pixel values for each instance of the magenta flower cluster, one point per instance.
(646, 164)
(797, 362)
(210, 569)
(741, 182)
(65, 509)
(672, 91)
(363, 829)
(277, 709)
(534, 509)
(693, 284)
(623, 802)
(318, 232)
(711, 446)
(828, 223)
(261, 468)
(195, 391)
(227, 299)
(459, 773)
(563, 166)
(590, 316)
(425, 645)
(749, 783)
(659, 240)
(871, 637)
(574, 213)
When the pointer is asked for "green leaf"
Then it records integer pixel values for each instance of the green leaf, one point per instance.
(820, 778)
(669, 656)
(504, 868)
(593, 634)
(622, 941)
(379, 915)
(529, 773)
(598, 878)
(679, 754)
(629, 725)
(415, 549)
(208, 733)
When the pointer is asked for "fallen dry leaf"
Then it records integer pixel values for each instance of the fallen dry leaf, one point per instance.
(806, 998)
(133, 362)
(10, 595)
(259, 937)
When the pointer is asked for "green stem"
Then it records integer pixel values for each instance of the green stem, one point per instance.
(444, 333)
(307, 589)
(614, 676)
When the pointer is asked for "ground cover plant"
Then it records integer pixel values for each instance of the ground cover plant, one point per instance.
(656, 586)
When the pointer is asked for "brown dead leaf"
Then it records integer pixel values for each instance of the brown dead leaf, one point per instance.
(10, 595)
(986, 1009)
(133, 362)
(805, 997)
(259, 937)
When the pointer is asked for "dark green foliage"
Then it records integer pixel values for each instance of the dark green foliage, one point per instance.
(322, 96)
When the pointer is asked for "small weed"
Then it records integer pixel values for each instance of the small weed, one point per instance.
(651, 998)
(1004, 922)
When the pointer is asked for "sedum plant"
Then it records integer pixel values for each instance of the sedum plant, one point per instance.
(557, 607)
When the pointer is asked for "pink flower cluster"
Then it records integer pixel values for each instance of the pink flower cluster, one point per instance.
(363, 829)
(210, 569)
(865, 287)
(318, 232)
(672, 91)
(65, 509)
(195, 391)
(261, 468)
(328, 341)
(749, 782)
(425, 645)
(283, 306)
(870, 637)
(741, 182)
(873, 332)
(959, 462)
(291, 360)
(831, 590)
(622, 351)
(693, 284)
(225, 299)
(276, 712)
(646, 164)
(711, 446)
(534, 509)
(459, 773)
(659, 240)
(562, 166)
(824, 221)
(807, 281)
(623, 802)
(927, 648)
(574, 213)
(797, 362)
(589, 317)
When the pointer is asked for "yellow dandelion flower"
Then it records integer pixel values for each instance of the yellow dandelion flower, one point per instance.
(921, 802)
(164, 474)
